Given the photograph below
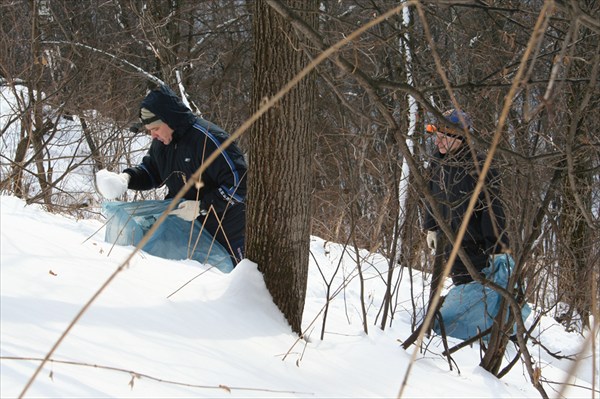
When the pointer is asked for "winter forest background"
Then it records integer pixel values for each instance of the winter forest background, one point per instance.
(330, 100)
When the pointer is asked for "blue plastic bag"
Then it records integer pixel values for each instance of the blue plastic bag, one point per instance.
(471, 307)
(128, 222)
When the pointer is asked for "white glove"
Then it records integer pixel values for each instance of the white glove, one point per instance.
(110, 184)
(432, 238)
(187, 210)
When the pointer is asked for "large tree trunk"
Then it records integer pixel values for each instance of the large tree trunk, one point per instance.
(280, 172)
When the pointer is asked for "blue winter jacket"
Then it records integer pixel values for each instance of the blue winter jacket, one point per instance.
(194, 139)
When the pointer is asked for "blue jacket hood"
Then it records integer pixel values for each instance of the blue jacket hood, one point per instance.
(164, 103)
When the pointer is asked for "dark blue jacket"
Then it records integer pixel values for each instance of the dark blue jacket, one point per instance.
(194, 139)
(452, 181)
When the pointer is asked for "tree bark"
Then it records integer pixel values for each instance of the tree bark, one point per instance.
(280, 172)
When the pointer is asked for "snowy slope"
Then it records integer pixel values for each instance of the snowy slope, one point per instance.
(182, 329)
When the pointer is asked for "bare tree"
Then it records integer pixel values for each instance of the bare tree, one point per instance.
(280, 173)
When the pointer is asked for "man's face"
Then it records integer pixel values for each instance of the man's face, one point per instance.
(161, 132)
(445, 143)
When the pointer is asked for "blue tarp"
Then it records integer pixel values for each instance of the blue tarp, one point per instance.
(472, 306)
(128, 222)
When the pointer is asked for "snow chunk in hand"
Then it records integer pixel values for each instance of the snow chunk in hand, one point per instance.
(110, 184)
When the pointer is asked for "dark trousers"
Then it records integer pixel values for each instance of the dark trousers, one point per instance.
(459, 273)
(229, 229)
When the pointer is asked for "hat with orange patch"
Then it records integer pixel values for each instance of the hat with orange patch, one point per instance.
(452, 125)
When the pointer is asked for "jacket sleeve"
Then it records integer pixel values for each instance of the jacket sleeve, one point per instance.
(145, 175)
(493, 221)
(429, 222)
(225, 177)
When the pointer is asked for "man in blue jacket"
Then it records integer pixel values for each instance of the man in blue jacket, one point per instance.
(181, 143)
(453, 176)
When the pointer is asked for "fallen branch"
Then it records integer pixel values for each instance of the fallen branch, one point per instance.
(135, 374)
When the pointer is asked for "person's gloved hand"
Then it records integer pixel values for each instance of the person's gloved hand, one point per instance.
(110, 184)
(187, 210)
(432, 239)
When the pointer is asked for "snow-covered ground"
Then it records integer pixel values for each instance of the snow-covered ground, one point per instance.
(171, 329)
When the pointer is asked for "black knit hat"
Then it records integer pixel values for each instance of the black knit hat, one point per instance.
(148, 118)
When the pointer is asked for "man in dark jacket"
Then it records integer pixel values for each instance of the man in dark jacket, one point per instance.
(453, 177)
(181, 143)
